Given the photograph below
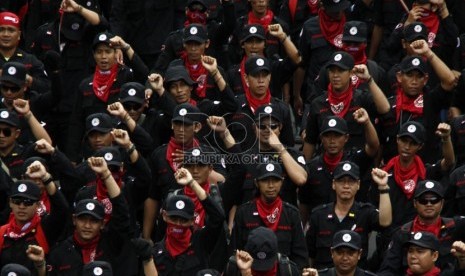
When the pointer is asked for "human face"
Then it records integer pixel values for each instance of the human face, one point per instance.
(259, 7)
(134, 109)
(200, 172)
(269, 188)
(180, 90)
(339, 78)
(11, 92)
(105, 56)
(98, 140)
(412, 82)
(87, 227)
(333, 142)
(407, 148)
(346, 187)
(345, 259)
(8, 135)
(420, 260)
(259, 83)
(184, 133)
(426, 207)
(9, 37)
(23, 209)
(195, 50)
(254, 46)
(270, 124)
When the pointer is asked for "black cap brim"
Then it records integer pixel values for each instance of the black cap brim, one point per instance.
(340, 65)
(346, 173)
(420, 244)
(24, 195)
(90, 213)
(258, 70)
(179, 213)
(132, 99)
(345, 244)
(340, 131)
(429, 191)
(98, 129)
(266, 115)
(268, 175)
(194, 38)
(415, 138)
(183, 119)
(12, 80)
(10, 123)
(244, 39)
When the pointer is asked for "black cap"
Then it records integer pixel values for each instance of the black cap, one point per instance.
(341, 59)
(268, 110)
(424, 239)
(97, 268)
(100, 122)
(346, 168)
(14, 72)
(262, 245)
(195, 32)
(198, 155)
(9, 117)
(175, 73)
(111, 155)
(354, 31)
(201, 2)
(415, 31)
(266, 170)
(256, 64)
(73, 26)
(132, 92)
(90, 207)
(27, 189)
(411, 63)
(414, 130)
(208, 272)
(31, 160)
(102, 38)
(429, 186)
(180, 206)
(335, 5)
(347, 238)
(188, 114)
(253, 30)
(15, 270)
(334, 124)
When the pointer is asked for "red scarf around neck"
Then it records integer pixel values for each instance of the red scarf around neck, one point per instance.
(340, 102)
(103, 80)
(195, 17)
(177, 239)
(332, 161)
(435, 271)
(434, 228)
(412, 105)
(199, 212)
(199, 74)
(270, 213)
(102, 193)
(264, 21)
(16, 232)
(254, 103)
(331, 29)
(431, 21)
(271, 272)
(44, 204)
(173, 146)
(88, 249)
(407, 178)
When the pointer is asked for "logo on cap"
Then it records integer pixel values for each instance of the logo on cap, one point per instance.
(207, 274)
(183, 112)
(193, 30)
(261, 255)
(11, 70)
(417, 236)
(353, 31)
(332, 122)
(270, 167)
(22, 188)
(89, 3)
(108, 156)
(196, 152)
(301, 160)
(338, 57)
(12, 274)
(95, 122)
(90, 206)
(4, 114)
(346, 167)
(417, 28)
(411, 128)
(180, 204)
(260, 62)
(98, 271)
(102, 37)
(416, 62)
(429, 185)
(268, 109)
(336, 1)
(347, 238)
(75, 26)
(132, 92)
(253, 30)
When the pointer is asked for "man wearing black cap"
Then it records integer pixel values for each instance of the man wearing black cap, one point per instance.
(341, 98)
(422, 253)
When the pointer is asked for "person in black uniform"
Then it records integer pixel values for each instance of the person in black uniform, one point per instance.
(348, 214)
(268, 210)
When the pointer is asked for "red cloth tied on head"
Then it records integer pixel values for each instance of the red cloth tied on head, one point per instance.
(9, 19)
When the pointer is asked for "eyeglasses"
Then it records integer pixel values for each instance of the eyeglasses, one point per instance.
(272, 126)
(13, 89)
(132, 106)
(6, 132)
(24, 201)
(431, 200)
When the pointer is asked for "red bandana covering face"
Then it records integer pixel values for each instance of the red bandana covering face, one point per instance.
(199, 74)
(433, 272)
(199, 212)
(407, 178)
(173, 146)
(331, 29)
(340, 102)
(254, 103)
(195, 17)
(264, 21)
(434, 228)
(88, 249)
(270, 213)
(412, 105)
(332, 161)
(103, 80)
(102, 193)
(15, 232)
(271, 272)
(177, 239)
(431, 21)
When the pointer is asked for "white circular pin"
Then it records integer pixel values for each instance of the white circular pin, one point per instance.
(102, 37)
(4, 114)
(268, 109)
(11, 70)
(12, 274)
(196, 152)
(346, 167)
(417, 236)
(417, 28)
(337, 57)
(90, 206)
(108, 156)
(270, 167)
(332, 123)
(253, 30)
(353, 31)
(411, 128)
(429, 185)
(260, 62)
(261, 255)
(301, 160)
(183, 112)
(415, 62)
(22, 188)
(95, 122)
(132, 92)
(75, 26)
(336, 1)
(98, 271)
(193, 30)
(180, 204)
(208, 274)
(89, 3)
(347, 237)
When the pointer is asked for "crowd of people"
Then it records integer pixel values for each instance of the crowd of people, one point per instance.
(232, 137)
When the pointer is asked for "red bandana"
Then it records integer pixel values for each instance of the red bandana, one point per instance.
(103, 80)
(313, 6)
(88, 249)
(340, 102)
(271, 272)
(332, 161)
(173, 146)
(357, 52)
(412, 105)
(199, 74)
(102, 193)
(434, 228)
(433, 272)
(199, 212)
(270, 213)
(264, 21)
(431, 21)
(16, 232)
(195, 17)
(331, 29)
(178, 239)
(406, 178)
(44, 204)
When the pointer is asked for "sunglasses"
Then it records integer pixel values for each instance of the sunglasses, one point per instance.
(13, 89)
(132, 106)
(272, 126)
(431, 200)
(6, 132)
(24, 201)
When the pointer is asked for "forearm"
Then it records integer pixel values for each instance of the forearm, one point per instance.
(129, 122)
(50, 187)
(228, 139)
(112, 188)
(444, 73)
(448, 160)
(296, 173)
(308, 150)
(371, 139)
(385, 210)
(37, 129)
(89, 15)
(198, 190)
(150, 214)
(291, 49)
(380, 100)
(246, 272)
(219, 80)
(149, 268)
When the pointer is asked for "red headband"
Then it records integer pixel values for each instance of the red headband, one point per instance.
(9, 19)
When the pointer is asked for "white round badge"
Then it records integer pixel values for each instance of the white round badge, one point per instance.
(22, 188)
(332, 123)
(12, 274)
(346, 167)
(75, 26)
(98, 271)
(338, 57)
(196, 152)
(89, 3)
(411, 128)
(208, 274)
(268, 109)
(253, 30)
(270, 167)
(4, 114)
(415, 62)
(347, 238)
(180, 204)
(102, 37)
(417, 236)
(336, 1)
(353, 31)
(261, 255)
(95, 122)
(90, 206)
(12, 70)
(183, 112)
(132, 92)
(108, 156)
(301, 160)
(429, 185)
(417, 28)
(260, 62)
(194, 30)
